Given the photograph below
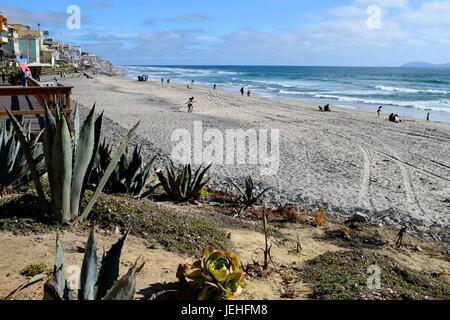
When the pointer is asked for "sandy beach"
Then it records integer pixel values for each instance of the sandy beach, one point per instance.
(346, 161)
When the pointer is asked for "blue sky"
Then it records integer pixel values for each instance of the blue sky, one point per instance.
(253, 32)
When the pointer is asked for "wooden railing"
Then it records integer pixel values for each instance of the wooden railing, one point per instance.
(50, 95)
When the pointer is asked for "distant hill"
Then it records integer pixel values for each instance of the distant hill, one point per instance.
(425, 65)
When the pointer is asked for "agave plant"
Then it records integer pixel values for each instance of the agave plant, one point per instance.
(182, 185)
(249, 198)
(215, 276)
(130, 175)
(14, 170)
(69, 160)
(96, 282)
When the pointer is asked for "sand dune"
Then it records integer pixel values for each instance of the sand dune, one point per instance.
(346, 160)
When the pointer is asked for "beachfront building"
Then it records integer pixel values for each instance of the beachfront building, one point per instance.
(29, 43)
(3, 30)
(30, 48)
(48, 56)
(74, 55)
(10, 51)
(3, 35)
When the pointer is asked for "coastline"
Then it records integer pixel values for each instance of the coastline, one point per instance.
(346, 161)
(321, 86)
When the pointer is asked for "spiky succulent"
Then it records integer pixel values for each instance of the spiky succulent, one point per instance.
(130, 175)
(14, 169)
(98, 280)
(248, 195)
(216, 276)
(181, 184)
(69, 160)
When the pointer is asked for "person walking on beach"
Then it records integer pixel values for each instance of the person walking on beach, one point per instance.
(428, 117)
(168, 81)
(215, 86)
(380, 110)
(190, 104)
(162, 80)
(248, 93)
(242, 91)
(3, 76)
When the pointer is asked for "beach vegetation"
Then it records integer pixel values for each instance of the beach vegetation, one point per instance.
(69, 160)
(14, 170)
(320, 218)
(98, 278)
(249, 196)
(343, 275)
(267, 248)
(130, 176)
(183, 184)
(215, 276)
(35, 269)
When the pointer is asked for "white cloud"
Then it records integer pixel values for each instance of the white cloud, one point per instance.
(430, 13)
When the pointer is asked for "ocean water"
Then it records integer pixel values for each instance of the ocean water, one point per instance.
(408, 92)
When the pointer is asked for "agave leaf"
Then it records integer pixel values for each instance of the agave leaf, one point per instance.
(125, 288)
(49, 133)
(59, 265)
(61, 163)
(141, 180)
(262, 193)
(98, 129)
(164, 182)
(76, 126)
(30, 282)
(88, 277)
(109, 271)
(55, 288)
(112, 165)
(26, 147)
(84, 152)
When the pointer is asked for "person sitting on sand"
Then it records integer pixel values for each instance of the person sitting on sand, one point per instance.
(397, 119)
(391, 117)
(190, 104)
(327, 108)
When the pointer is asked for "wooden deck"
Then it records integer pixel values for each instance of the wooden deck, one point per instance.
(26, 103)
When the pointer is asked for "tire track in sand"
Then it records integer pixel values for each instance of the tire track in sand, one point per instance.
(364, 190)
